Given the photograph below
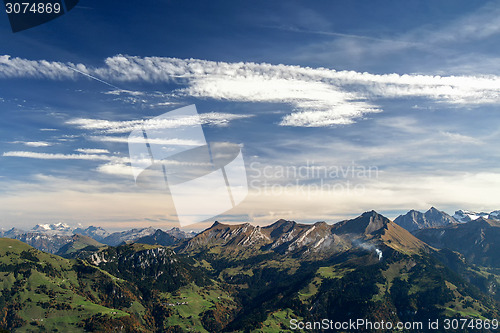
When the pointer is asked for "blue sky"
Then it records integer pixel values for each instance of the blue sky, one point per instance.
(410, 89)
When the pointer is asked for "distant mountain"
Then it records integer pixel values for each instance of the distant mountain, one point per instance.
(415, 220)
(47, 242)
(51, 237)
(79, 247)
(478, 240)
(11, 233)
(96, 233)
(61, 229)
(45, 237)
(465, 216)
(127, 236)
(180, 234)
(160, 237)
(148, 236)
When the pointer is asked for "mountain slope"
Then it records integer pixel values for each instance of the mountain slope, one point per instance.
(42, 241)
(177, 291)
(389, 233)
(149, 266)
(382, 271)
(79, 246)
(133, 288)
(46, 292)
(127, 236)
(478, 240)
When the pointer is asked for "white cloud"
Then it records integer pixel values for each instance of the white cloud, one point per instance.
(123, 91)
(320, 96)
(47, 156)
(460, 138)
(112, 127)
(125, 139)
(281, 83)
(342, 115)
(114, 165)
(34, 143)
(117, 169)
(92, 151)
(325, 104)
(18, 67)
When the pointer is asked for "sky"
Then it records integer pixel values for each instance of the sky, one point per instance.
(340, 107)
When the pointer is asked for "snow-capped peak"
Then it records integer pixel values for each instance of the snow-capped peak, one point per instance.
(464, 216)
(55, 228)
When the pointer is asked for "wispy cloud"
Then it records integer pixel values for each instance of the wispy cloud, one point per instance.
(478, 25)
(125, 92)
(114, 165)
(34, 143)
(107, 126)
(48, 156)
(455, 44)
(403, 43)
(460, 138)
(320, 96)
(92, 151)
(126, 139)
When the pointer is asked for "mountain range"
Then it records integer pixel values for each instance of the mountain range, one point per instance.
(370, 232)
(52, 237)
(464, 216)
(415, 220)
(247, 278)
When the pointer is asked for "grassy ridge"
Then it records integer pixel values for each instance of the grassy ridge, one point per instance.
(40, 291)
